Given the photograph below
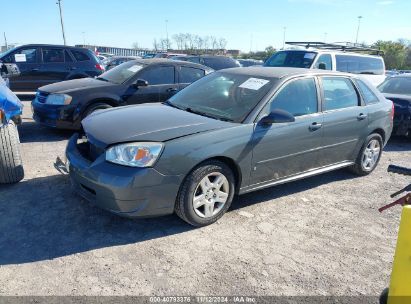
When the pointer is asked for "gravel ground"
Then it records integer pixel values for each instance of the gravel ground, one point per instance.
(319, 236)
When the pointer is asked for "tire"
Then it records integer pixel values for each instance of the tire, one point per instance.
(95, 107)
(360, 167)
(211, 206)
(11, 165)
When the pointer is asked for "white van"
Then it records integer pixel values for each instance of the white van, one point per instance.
(371, 67)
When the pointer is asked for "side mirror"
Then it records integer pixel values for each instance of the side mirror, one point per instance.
(9, 70)
(277, 116)
(140, 83)
(322, 66)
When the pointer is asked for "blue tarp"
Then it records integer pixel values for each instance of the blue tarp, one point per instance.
(9, 102)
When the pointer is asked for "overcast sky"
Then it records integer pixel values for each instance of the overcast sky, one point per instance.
(245, 24)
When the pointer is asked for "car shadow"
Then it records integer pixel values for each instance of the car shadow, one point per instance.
(31, 131)
(398, 144)
(42, 219)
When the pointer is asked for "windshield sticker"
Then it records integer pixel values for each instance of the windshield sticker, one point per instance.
(309, 56)
(135, 68)
(20, 58)
(254, 83)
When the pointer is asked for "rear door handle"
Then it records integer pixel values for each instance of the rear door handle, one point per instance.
(315, 126)
(169, 90)
(35, 70)
(362, 116)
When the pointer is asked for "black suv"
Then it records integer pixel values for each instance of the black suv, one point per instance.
(42, 64)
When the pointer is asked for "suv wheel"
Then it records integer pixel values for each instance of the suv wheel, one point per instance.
(206, 194)
(369, 155)
(11, 166)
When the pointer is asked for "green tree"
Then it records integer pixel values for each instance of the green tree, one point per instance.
(395, 55)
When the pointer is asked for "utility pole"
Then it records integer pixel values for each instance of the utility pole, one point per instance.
(61, 20)
(358, 28)
(167, 35)
(325, 37)
(285, 29)
(251, 43)
(5, 41)
(84, 38)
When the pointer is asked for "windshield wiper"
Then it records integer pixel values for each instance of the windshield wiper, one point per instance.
(167, 102)
(207, 115)
(103, 79)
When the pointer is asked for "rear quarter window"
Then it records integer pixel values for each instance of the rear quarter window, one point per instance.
(80, 56)
(368, 96)
(360, 64)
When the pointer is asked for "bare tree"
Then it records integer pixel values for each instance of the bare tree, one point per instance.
(222, 43)
(156, 45)
(214, 42)
(179, 40)
(136, 46)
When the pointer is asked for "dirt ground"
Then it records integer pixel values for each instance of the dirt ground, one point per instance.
(319, 236)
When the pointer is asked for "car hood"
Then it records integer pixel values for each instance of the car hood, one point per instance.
(75, 84)
(146, 122)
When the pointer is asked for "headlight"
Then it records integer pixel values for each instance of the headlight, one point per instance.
(139, 154)
(58, 99)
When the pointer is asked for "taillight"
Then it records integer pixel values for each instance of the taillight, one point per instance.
(99, 67)
(392, 111)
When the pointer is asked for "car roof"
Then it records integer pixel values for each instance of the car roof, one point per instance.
(280, 72)
(404, 75)
(153, 61)
(52, 45)
(325, 51)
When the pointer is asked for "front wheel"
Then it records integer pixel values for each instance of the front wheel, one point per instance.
(11, 166)
(369, 155)
(206, 194)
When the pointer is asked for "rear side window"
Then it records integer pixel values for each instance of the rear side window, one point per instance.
(220, 63)
(360, 64)
(325, 59)
(339, 93)
(158, 75)
(298, 97)
(80, 56)
(368, 96)
(193, 59)
(67, 56)
(53, 55)
(189, 75)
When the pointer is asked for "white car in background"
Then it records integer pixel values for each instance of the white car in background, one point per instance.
(332, 57)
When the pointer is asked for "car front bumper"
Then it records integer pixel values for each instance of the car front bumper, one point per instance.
(54, 116)
(126, 191)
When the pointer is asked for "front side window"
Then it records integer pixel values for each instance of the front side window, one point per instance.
(22, 55)
(298, 97)
(339, 93)
(295, 59)
(53, 55)
(158, 75)
(189, 75)
(360, 64)
(326, 60)
(223, 95)
(121, 73)
(368, 96)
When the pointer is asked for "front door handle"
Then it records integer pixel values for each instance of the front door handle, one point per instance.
(35, 70)
(362, 116)
(172, 90)
(315, 126)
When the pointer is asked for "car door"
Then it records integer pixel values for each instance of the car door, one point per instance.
(187, 75)
(161, 85)
(53, 66)
(286, 149)
(345, 120)
(27, 60)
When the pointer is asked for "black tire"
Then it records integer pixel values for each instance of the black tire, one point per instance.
(11, 165)
(184, 203)
(95, 107)
(358, 168)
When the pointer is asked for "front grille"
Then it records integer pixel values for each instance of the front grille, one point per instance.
(42, 96)
(88, 150)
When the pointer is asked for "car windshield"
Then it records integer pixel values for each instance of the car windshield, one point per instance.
(295, 59)
(121, 73)
(396, 85)
(223, 96)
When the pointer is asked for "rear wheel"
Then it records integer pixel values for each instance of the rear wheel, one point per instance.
(206, 194)
(369, 155)
(11, 165)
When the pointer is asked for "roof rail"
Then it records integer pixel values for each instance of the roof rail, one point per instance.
(337, 46)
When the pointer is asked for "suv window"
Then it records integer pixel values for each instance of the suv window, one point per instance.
(189, 75)
(219, 63)
(67, 56)
(367, 94)
(193, 59)
(326, 59)
(158, 75)
(80, 56)
(53, 55)
(338, 93)
(296, 59)
(28, 55)
(360, 64)
(298, 97)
